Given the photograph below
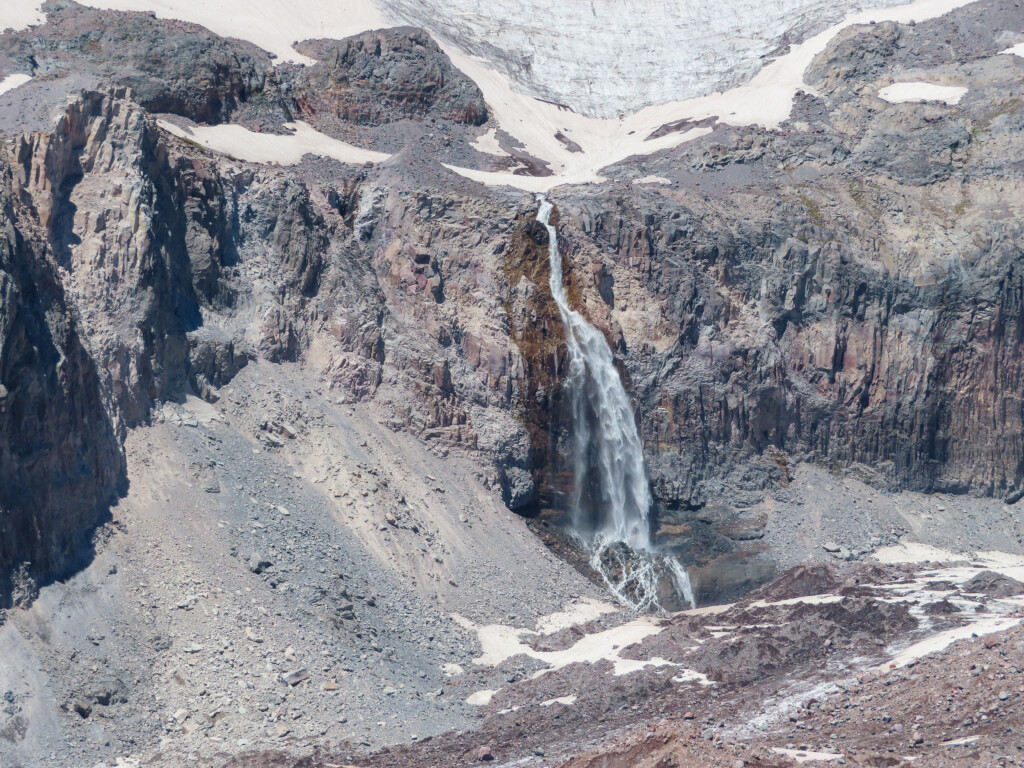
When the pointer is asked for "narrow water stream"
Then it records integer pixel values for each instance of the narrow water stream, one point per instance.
(611, 499)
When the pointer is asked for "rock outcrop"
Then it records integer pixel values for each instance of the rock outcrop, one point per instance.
(61, 463)
(170, 66)
(381, 77)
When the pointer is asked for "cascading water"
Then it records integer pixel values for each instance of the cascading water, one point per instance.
(611, 499)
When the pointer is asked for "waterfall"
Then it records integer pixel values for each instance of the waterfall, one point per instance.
(611, 498)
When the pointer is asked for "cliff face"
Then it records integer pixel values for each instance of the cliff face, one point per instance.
(782, 333)
(793, 296)
(60, 460)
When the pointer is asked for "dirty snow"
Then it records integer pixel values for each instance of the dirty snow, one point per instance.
(488, 144)
(943, 640)
(804, 756)
(917, 91)
(243, 144)
(578, 613)
(565, 701)
(481, 698)
(500, 642)
(913, 552)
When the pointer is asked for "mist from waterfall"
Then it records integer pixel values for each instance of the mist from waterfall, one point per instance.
(611, 498)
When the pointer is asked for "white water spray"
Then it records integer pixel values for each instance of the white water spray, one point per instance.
(611, 498)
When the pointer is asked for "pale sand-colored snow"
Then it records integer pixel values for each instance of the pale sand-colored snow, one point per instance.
(912, 552)
(499, 642)
(1015, 50)
(11, 82)
(241, 143)
(565, 701)
(945, 639)
(802, 756)
(451, 670)
(274, 25)
(481, 698)
(995, 559)
(18, 14)
(652, 180)
(692, 676)
(917, 91)
(808, 599)
(959, 742)
(578, 613)
(488, 144)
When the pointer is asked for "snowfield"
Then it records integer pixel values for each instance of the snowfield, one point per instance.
(901, 93)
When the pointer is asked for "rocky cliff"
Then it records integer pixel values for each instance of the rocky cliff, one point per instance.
(842, 292)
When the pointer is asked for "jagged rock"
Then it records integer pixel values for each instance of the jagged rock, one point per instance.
(296, 677)
(383, 76)
(169, 66)
(994, 584)
(258, 563)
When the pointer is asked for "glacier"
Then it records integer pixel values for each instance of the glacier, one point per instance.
(609, 58)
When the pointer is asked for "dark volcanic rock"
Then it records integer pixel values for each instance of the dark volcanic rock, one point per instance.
(994, 584)
(170, 66)
(381, 77)
(60, 459)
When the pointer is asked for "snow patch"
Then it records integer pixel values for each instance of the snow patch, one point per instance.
(19, 14)
(11, 82)
(652, 180)
(499, 642)
(692, 676)
(1015, 50)
(803, 756)
(243, 144)
(966, 740)
(943, 640)
(917, 91)
(488, 144)
(913, 552)
(481, 698)
(582, 612)
(565, 701)
(807, 599)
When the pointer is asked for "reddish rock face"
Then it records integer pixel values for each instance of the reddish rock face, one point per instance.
(383, 76)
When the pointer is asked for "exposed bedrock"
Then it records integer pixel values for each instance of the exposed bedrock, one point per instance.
(383, 76)
(779, 335)
(60, 460)
(793, 296)
(170, 66)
